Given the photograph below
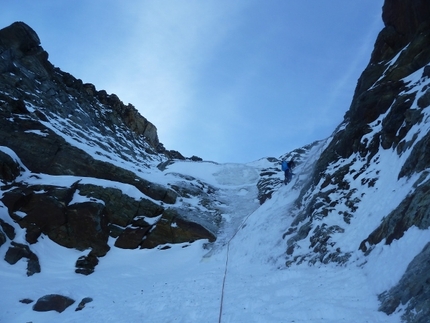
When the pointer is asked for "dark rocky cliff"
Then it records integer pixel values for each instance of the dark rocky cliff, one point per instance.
(25, 69)
(388, 116)
(52, 124)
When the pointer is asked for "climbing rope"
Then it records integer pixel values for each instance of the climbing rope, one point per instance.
(234, 235)
(223, 284)
(226, 265)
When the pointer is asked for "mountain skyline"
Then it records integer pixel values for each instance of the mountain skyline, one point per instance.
(228, 82)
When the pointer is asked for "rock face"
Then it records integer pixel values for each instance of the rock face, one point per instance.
(53, 302)
(23, 56)
(18, 251)
(387, 123)
(413, 290)
(73, 161)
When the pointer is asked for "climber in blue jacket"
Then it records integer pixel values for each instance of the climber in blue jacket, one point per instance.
(287, 167)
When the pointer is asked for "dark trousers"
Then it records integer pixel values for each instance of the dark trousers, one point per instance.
(288, 175)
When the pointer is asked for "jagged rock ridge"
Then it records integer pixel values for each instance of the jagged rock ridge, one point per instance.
(388, 123)
(52, 124)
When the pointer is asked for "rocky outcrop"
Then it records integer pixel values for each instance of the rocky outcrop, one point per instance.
(412, 291)
(53, 302)
(24, 61)
(51, 154)
(53, 124)
(403, 20)
(9, 170)
(378, 87)
(267, 183)
(172, 228)
(84, 302)
(56, 302)
(87, 224)
(79, 226)
(33, 94)
(85, 265)
(20, 38)
(17, 251)
(7, 229)
(412, 211)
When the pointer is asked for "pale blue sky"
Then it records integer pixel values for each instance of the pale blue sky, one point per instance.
(228, 81)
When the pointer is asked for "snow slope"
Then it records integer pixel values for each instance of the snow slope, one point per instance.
(185, 282)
